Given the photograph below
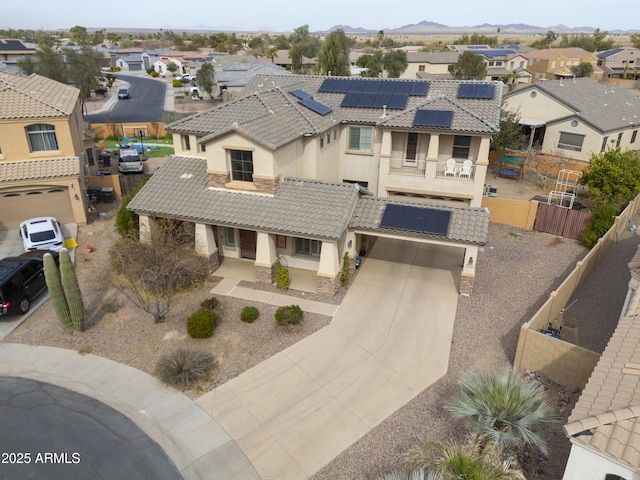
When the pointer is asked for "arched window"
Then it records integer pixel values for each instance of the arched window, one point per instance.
(42, 137)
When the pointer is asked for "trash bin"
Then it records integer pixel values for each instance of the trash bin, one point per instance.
(107, 194)
(95, 194)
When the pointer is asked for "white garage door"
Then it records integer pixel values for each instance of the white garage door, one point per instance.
(44, 202)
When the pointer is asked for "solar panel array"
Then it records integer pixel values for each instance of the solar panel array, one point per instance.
(416, 219)
(433, 118)
(301, 94)
(476, 90)
(374, 93)
(306, 100)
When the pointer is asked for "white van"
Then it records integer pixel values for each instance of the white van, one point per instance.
(130, 161)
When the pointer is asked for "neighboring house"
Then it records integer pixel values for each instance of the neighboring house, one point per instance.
(231, 79)
(283, 60)
(576, 118)
(429, 65)
(42, 157)
(556, 63)
(308, 168)
(604, 425)
(13, 50)
(620, 63)
(135, 62)
(115, 53)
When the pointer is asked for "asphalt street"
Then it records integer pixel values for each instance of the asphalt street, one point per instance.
(51, 432)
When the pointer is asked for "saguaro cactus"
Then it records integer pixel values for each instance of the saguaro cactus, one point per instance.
(71, 290)
(54, 284)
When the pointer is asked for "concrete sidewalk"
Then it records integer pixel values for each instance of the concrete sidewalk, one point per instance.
(388, 341)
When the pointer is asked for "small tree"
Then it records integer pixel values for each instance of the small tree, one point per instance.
(395, 62)
(613, 176)
(151, 274)
(469, 67)
(583, 69)
(206, 78)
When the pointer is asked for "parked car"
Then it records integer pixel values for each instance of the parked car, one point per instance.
(21, 280)
(123, 93)
(130, 161)
(41, 233)
(101, 90)
(188, 76)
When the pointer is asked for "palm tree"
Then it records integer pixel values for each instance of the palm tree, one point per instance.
(506, 409)
(477, 459)
(402, 475)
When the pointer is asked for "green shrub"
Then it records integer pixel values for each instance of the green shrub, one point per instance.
(249, 314)
(185, 368)
(289, 315)
(602, 219)
(344, 274)
(201, 323)
(154, 74)
(176, 83)
(211, 303)
(282, 276)
(127, 221)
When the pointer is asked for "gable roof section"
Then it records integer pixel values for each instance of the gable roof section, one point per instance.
(270, 115)
(467, 224)
(300, 207)
(549, 53)
(37, 169)
(606, 107)
(606, 417)
(9, 46)
(35, 97)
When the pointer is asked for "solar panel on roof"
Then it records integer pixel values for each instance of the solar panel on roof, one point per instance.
(416, 219)
(301, 94)
(476, 90)
(433, 118)
(357, 86)
(419, 88)
(398, 102)
(485, 90)
(381, 100)
(343, 86)
(372, 86)
(402, 88)
(315, 106)
(387, 87)
(350, 100)
(328, 85)
(366, 100)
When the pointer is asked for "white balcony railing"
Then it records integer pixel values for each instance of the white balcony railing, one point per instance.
(407, 167)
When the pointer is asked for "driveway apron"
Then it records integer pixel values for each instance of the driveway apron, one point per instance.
(389, 340)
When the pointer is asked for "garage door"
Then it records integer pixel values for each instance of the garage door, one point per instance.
(45, 202)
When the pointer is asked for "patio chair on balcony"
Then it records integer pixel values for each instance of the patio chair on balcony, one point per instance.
(465, 171)
(450, 168)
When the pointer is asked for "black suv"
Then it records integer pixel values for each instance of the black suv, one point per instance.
(21, 280)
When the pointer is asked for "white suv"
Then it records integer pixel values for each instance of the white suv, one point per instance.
(130, 161)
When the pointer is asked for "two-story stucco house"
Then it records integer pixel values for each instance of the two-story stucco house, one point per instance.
(576, 118)
(429, 65)
(42, 156)
(556, 63)
(310, 168)
(620, 63)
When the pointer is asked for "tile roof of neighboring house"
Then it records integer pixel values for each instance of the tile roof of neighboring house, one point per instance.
(14, 46)
(607, 415)
(239, 74)
(608, 53)
(300, 207)
(35, 169)
(271, 116)
(467, 224)
(605, 107)
(433, 57)
(35, 97)
(548, 53)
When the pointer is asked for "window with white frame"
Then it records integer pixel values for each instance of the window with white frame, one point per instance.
(360, 138)
(461, 146)
(308, 247)
(186, 142)
(42, 137)
(229, 237)
(571, 141)
(241, 165)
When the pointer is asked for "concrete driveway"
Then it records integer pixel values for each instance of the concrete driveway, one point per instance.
(10, 246)
(389, 340)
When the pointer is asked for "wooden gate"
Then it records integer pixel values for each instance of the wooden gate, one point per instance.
(561, 221)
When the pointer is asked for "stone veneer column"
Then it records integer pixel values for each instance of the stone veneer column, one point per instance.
(205, 245)
(146, 227)
(265, 264)
(328, 276)
(266, 184)
(217, 179)
(468, 276)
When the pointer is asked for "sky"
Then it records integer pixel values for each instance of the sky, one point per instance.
(285, 15)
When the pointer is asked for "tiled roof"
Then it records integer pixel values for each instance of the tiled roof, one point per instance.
(35, 97)
(467, 224)
(268, 114)
(571, 53)
(35, 169)
(607, 415)
(300, 207)
(13, 46)
(606, 107)
(433, 57)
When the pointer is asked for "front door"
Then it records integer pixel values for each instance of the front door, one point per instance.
(412, 149)
(248, 240)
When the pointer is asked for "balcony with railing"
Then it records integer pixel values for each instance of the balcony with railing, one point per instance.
(450, 169)
(456, 170)
(400, 166)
